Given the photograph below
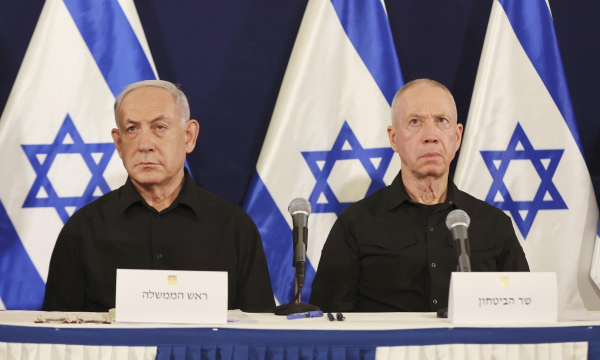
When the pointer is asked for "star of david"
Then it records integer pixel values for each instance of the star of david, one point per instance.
(546, 197)
(41, 157)
(345, 147)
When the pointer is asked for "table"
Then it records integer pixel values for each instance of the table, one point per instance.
(266, 336)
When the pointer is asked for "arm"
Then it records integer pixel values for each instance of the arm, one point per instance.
(336, 283)
(254, 292)
(512, 257)
(65, 288)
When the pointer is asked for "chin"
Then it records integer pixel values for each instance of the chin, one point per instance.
(434, 172)
(147, 177)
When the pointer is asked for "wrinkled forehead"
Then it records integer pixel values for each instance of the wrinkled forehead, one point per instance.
(425, 98)
(148, 101)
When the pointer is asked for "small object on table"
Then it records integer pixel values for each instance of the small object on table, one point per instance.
(303, 315)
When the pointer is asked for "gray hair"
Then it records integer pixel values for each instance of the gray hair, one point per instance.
(408, 85)
(178, 95)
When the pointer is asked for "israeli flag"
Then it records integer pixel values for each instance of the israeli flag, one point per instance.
(521, 150)
(327, 140)
(57, 151)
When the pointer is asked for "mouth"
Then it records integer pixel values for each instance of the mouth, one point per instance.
(147, 163)
(430, 155)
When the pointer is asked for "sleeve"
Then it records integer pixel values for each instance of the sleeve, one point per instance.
(512, 257)
(336, 282)
(65, 287)
(253, 290)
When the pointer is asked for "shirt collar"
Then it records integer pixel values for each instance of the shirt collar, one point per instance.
(187, 196)
(397, 193)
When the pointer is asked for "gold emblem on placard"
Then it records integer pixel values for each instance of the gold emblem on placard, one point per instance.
(504, 281)
(172, 280)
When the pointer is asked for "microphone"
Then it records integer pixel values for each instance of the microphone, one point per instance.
(300, 209)
(457, 222)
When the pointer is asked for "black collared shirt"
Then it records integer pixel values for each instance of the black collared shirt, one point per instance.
(199, 231)
(386, 253)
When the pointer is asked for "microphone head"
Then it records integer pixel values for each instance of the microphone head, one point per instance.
(299, 205)
(457, 217)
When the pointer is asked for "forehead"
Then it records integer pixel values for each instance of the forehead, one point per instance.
(426, 98)
(148, 101)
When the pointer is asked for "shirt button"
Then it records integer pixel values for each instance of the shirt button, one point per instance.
(433, 265)
(431, 228)
(158, 216)
(159, 256)
(450, 202)
(434, 301)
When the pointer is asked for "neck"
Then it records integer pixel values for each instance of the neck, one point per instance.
(160, 196)
(427, 190)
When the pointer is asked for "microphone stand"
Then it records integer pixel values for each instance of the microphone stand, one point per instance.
(296, 305)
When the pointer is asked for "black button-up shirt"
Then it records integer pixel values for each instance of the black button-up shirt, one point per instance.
(199, 231)
(387, 253)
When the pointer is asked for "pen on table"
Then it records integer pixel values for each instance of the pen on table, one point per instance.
(308, 314)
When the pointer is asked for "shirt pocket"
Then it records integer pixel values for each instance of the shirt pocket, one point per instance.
(485, 251)
(387, 257)
(391, 242)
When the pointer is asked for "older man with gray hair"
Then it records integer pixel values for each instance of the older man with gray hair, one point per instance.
(160, 219)
(391, 251)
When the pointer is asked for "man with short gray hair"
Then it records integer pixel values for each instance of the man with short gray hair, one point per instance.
(160, 219)
(392, 251)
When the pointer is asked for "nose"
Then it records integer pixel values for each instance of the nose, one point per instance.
(146, 143)
(430, 135)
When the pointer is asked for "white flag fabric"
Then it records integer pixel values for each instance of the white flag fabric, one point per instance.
(521, 150)
(57, 151)
(327, 139)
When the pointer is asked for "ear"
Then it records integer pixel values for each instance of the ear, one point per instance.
(392, 137)
(459, 131)
(192, 128)
(117, 140)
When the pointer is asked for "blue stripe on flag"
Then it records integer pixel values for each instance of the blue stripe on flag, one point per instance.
(277, 241)
(532, 23)
(21, 287)
(112, 42)
(367, 27)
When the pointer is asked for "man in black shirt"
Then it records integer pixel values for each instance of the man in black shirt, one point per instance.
(159, 219)
(392, 251)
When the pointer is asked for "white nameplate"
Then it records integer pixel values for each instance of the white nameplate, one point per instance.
(165, 296)
(502, 297)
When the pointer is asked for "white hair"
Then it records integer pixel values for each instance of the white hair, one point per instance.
(178, 95)
(408, 85)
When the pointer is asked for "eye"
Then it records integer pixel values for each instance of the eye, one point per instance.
(130, 128)
(443, 120)
(160, 127)
(414, 121)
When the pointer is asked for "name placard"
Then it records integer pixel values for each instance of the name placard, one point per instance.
(165, 296)
(502, 297)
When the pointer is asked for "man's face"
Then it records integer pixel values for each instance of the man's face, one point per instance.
(151, 139)
(425, 134)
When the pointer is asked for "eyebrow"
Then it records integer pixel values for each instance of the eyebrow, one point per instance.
(135, 122)
(417, 115)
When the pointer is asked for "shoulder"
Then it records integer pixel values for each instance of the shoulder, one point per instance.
(369, 206)
(214, 207)
(485, 217)
(104, 206)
